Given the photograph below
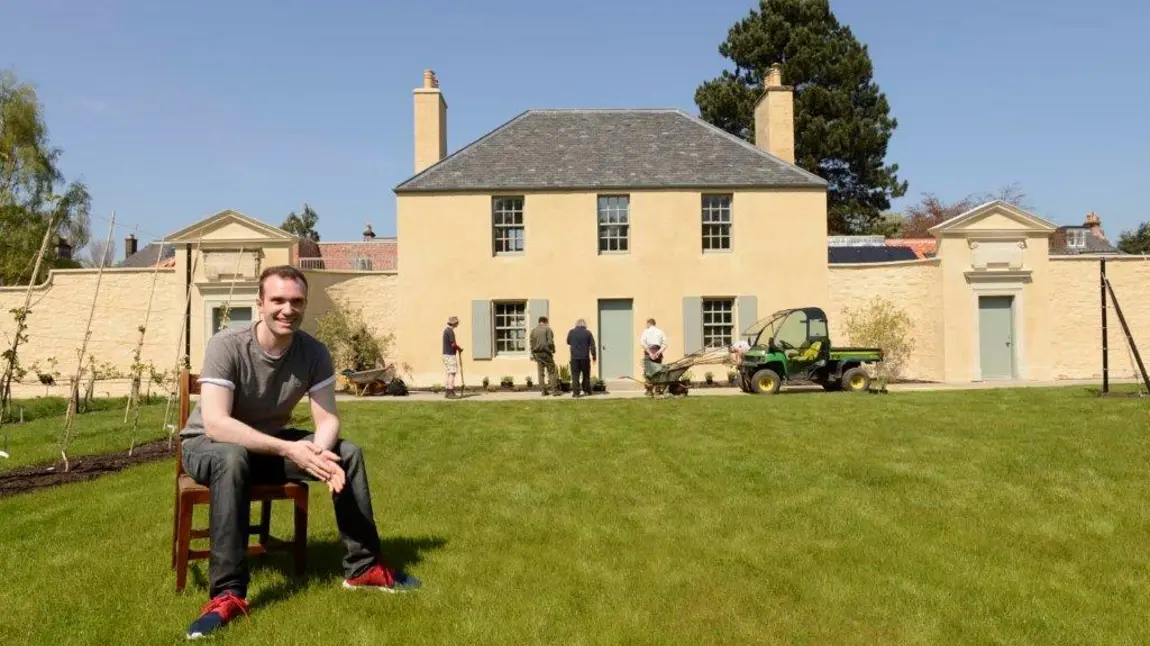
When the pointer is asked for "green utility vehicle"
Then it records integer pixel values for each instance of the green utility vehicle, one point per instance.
(794, 346)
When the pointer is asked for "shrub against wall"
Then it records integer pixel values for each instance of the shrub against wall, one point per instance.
(882, 324)
(351, 343)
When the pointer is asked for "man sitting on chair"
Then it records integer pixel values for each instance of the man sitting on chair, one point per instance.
(252, 378)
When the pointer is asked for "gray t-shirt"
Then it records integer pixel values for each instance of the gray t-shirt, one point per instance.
(266, 388)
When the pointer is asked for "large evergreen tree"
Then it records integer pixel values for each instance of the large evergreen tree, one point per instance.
(842, 120)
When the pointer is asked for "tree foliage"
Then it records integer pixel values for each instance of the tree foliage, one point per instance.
(302, 224)
(842, 120)
(32, 188)
(351, 343)
(918, 219)
(1136, 241)
(882, 324)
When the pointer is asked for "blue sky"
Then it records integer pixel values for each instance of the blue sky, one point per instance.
(174, 111)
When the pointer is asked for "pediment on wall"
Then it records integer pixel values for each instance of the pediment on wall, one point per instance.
(995, 218)
(231, 228)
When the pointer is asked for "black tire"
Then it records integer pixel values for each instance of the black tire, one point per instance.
(766, 382)
(855, 380)
(744, 382)
(831, 386)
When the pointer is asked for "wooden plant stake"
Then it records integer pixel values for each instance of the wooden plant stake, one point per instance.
(21, 326)
(137, 367)
(69, 418)
(179, 344)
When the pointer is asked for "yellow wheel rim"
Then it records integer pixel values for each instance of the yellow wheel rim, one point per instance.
(766, 383)
(857, 381)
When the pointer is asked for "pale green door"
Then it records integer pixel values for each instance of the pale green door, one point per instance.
(996, 336)
(616, 345)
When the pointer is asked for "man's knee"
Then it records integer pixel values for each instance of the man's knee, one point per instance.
(231, 459)
(349, 452)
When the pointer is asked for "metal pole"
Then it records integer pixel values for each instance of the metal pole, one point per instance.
(1105, 334)
(1129, 336)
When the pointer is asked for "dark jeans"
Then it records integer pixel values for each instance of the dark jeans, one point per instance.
(230, 470)
(580, 367)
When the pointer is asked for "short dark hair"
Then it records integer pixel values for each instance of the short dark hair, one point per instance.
(283, 271)
(542, 319)
(650, 321)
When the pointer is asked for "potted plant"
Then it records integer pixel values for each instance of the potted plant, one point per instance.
(565, 378)
(507, 382)
(732, 376)
(598, 385)
(709, 377)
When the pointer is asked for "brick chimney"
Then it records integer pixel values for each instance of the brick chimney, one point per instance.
(775, 116)
(430, 123)
(368, 234)
(130, 246)
(1094, 224)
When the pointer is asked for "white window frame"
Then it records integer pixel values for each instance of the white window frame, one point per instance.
(507, 216)
(1076, 238)
(613, 215)
(509, 346)
(722, 329)
(716, 222)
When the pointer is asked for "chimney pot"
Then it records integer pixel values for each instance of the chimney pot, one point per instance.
(775, 116)
(63, 249)
(130, 245)
(430, 123)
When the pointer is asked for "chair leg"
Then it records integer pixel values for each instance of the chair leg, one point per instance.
(300, 537)
(265, 522)
(184, 534)
(175, 523)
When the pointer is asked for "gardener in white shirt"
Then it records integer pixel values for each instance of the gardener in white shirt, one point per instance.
(654, 344)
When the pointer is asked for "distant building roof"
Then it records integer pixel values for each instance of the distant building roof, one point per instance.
(1077, 240)
(922, 247)
(149, 255)
(608, 149)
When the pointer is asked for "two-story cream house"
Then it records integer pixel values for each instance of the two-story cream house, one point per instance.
(612, 216)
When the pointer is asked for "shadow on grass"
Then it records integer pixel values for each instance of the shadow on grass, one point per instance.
(325, 564)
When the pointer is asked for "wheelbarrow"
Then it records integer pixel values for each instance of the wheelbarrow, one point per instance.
(362, 380)
(667, 379)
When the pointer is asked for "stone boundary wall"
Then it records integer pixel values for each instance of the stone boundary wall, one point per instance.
(913, 285)
(60, 309)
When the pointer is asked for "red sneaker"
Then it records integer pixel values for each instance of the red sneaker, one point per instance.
(219, 611)
(382, 578)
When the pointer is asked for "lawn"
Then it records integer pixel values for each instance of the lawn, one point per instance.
(1009, 517)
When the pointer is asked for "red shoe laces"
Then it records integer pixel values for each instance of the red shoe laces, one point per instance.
(226, 605)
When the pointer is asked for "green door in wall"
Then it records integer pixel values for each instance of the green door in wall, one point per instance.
(996, 336)
(616, 342)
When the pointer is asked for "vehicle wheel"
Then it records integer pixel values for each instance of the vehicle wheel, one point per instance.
(855, 380)
(766, 382)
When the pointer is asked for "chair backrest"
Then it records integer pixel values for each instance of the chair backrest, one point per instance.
(188, 385)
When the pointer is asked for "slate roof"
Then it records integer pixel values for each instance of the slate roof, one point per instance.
(608, 149)
(148, 256)
(1094, 244)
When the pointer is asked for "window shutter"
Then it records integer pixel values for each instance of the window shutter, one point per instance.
(536, 307)
(748, 307)
(481, 330)
(692, 324)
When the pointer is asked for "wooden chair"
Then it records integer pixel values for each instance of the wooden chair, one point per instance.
(189, 493)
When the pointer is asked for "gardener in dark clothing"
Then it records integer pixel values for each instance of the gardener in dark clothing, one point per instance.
(582, 344)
